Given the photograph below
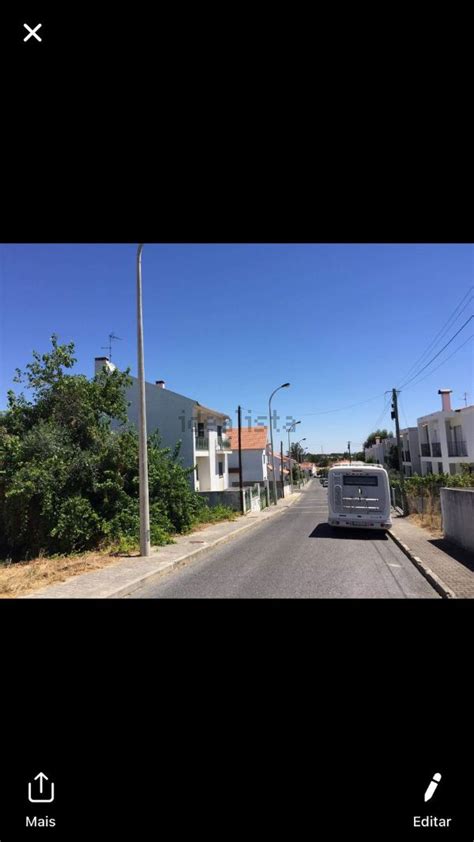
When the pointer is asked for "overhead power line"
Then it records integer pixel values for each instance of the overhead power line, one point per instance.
(439, 352)
(415, 376)
(382, 414)
(341, 408)
(442, 362)
(404, 413)
(454, 315)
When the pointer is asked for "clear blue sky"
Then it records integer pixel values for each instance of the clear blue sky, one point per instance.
(226, 324)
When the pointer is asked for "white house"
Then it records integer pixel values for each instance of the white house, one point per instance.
(410, 451)
(202, 431)
(254, 455)
(287, 465)
(446, 437)
(278, 466)
(379, 451)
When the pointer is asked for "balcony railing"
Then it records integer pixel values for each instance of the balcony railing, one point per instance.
(435, 448)
(223, 444)
(202, 443)
(425, 450)
(457, 448)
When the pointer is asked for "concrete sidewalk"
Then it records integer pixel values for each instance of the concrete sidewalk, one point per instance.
(126, 576)
(449, 568)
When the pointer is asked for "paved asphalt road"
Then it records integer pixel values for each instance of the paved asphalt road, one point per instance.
(296, 554)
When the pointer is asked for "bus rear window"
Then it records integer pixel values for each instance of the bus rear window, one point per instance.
(350, 479)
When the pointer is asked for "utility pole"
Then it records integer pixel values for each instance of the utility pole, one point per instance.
(349, 449)
(394, 415)
(282, 475)
(290, 429)
(142, 441)
(239, 416)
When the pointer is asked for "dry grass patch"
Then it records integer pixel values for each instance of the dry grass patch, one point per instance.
(23, 577)
(20, 578)
(430, 523)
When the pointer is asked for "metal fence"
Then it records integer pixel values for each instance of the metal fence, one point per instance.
(425, 502)
(397, 501)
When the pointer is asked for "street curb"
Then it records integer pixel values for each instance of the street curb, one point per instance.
(432, 578)
(135, 584)
(180, 562)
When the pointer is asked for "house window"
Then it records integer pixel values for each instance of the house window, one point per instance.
(220, 466)
(440, 467)
(452, 468)
(200, 430)
(219, 432)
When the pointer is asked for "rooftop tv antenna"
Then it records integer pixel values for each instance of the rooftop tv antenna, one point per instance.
(108, 347)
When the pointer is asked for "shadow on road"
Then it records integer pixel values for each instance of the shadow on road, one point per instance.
(323, 530)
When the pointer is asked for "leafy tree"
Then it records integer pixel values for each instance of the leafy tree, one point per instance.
(67, 481)
(297, 452)
(392, 459)
(370, 440)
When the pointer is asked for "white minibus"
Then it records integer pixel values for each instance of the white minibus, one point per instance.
(359, 495)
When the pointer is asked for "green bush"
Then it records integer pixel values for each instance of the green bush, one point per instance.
(212, 515)
(420, 485)
(77, 527)
(68, 482)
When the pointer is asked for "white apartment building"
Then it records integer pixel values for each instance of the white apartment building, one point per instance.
(446, 438)
(202, 431)
(410, 451)
(379, 451)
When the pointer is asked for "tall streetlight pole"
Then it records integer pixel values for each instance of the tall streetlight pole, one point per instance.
(283, 386)
(290, 429)
(142, 440)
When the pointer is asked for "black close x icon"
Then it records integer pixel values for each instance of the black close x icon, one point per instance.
(32, 32)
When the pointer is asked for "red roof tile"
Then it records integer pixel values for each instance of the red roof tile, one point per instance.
(253, 438)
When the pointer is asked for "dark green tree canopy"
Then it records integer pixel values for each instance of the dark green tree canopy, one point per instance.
(382, 434)
(67, 480)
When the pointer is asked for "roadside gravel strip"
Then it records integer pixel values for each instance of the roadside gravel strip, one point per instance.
(124, 578)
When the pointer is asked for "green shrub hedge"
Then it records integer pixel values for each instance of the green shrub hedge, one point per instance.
(68, 482)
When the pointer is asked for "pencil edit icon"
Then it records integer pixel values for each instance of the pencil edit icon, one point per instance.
(432, 786)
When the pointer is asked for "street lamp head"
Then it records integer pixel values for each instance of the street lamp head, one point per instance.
(285, 385)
